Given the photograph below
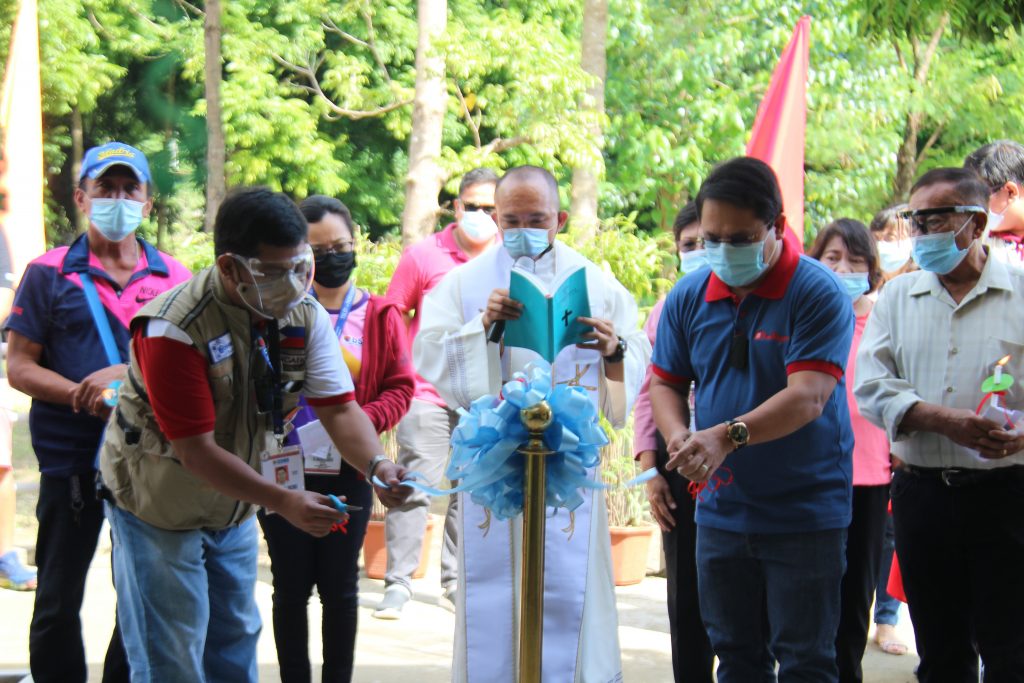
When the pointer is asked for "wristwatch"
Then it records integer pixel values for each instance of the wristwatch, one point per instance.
(372, 467)
(738, 433)
(618, 354)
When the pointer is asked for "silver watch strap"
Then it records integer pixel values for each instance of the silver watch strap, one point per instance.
(372, 467)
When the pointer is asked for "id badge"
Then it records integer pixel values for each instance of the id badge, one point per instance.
(284, 468)
(319, 453)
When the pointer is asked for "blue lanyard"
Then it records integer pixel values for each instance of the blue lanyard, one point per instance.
(346, 308)
(99, 318)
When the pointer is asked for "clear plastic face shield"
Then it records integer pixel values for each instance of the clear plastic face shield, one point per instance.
(276, 287)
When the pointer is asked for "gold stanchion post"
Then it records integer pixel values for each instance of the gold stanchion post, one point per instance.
(536, 418)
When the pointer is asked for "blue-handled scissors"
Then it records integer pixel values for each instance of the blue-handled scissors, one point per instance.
(341, 505)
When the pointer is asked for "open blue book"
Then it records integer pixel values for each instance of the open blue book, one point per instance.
(548, 323)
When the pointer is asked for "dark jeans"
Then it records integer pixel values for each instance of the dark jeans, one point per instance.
(961, 551)
(772, 597)
(863, 550)
(299, 561)
(887, 608)
(69, 517)
(693, 659)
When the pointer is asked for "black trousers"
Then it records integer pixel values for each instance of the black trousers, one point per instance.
(692, 656)
(299, 561)
(864, 542)
(70, 518)
(961, 552)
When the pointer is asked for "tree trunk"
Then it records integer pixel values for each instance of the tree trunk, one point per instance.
(80, 220)
(906, 158)
(594, 62)
(423, 182)
(215, 152)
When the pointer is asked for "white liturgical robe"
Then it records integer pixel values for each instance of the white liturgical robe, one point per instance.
(451, 352)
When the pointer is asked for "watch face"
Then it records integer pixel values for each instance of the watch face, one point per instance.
(738, 433)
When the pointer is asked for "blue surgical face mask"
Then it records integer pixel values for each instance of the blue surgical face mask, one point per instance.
(525, 241)
(737, 265)
(116, 219)
(690, 261)
(856, 284)
(893, 255)
(938, 253)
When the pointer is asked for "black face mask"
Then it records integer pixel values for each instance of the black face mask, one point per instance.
(334, 269)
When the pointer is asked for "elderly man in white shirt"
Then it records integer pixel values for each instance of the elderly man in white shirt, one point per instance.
(958, 491)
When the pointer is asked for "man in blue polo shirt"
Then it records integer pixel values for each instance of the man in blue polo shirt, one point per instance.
(764, 333)
(68, 339)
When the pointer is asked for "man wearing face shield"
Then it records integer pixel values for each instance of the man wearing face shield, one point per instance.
(217, 367)
(957, 502)
(64, 353)
(1001, 165)
(424, 433)
(457, 350)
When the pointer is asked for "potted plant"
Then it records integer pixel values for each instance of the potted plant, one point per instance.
(628, 511)
(375, 551)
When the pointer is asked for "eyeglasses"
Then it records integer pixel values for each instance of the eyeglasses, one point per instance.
(736, 240)
(930, 221)
(469, 206)
(340, 247)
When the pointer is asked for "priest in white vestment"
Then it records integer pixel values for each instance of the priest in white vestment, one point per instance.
(452, 351)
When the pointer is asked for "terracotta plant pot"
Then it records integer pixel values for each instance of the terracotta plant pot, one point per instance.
(629, 553)
(375, 552)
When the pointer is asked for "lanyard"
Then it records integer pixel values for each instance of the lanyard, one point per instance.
(99, 318)
(268, 354)
(346, 308)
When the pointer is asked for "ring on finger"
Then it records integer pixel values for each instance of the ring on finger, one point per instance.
(704, 469)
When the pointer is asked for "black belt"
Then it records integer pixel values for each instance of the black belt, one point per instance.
(956, 477)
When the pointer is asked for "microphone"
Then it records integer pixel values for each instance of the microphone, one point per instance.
(496, 331)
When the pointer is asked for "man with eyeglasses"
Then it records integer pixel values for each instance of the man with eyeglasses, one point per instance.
(425, 432)
(764, 334)
(1001, 165)
(958, 488)
(217, 367)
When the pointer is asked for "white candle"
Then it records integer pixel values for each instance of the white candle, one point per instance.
(999, 373)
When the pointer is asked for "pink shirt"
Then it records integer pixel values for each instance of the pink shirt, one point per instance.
(644, 429)
(351, 340)
(419, 270)
(871, 464)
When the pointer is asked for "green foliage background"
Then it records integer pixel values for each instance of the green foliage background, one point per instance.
(684, 81)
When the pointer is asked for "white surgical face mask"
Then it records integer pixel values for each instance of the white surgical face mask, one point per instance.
(478, 227)
(994, 220)
(893, 255)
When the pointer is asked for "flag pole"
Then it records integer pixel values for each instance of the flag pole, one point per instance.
(536, 419)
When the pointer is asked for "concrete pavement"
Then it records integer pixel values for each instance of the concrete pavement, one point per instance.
(416, 649)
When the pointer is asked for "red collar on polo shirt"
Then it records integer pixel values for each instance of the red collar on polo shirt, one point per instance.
(772, 287)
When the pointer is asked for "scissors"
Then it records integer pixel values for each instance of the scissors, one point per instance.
(341, 505)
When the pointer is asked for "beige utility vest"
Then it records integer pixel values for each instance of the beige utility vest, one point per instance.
(137, 462)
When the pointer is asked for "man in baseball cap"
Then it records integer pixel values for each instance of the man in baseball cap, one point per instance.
(68, 345)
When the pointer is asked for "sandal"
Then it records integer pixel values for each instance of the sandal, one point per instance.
(888, 641)
(15, 575)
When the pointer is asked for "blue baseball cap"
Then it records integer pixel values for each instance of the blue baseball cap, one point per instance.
(99, 160)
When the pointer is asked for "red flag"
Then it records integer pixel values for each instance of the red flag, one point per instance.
(21, 170)
(778, 135)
